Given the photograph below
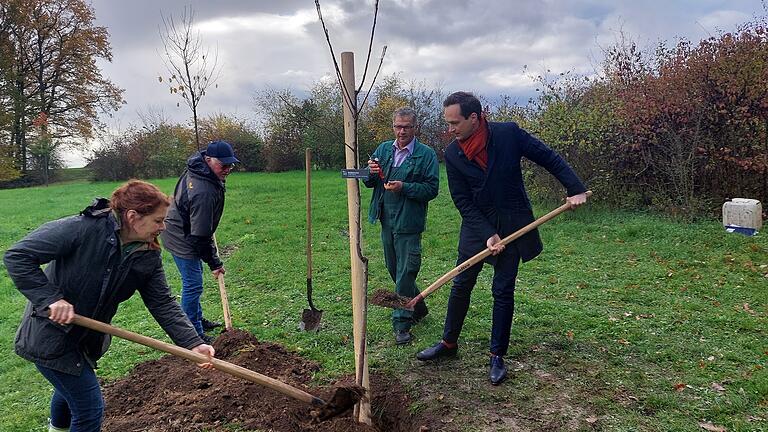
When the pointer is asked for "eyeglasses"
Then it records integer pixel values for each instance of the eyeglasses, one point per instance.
(226, 166)
(403, 127)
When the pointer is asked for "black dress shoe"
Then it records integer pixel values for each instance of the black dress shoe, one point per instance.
(210, 325)
(420, 311)
(498, 370)
(207, 339)
(403, 337)
(437, 351)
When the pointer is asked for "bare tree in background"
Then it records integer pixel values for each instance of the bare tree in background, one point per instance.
(191, 68)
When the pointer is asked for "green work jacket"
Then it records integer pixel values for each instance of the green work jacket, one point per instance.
(420, 175)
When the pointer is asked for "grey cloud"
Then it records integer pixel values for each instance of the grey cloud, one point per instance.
(476, 44)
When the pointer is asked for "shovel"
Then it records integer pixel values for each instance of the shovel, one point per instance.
(223, 294)
(343, 399)
(389, 299)
(310, 318)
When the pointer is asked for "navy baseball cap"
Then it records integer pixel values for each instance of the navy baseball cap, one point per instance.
(222, 151)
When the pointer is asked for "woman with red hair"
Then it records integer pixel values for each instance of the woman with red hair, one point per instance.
(96, 260)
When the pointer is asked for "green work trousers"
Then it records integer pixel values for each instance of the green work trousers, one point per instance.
(402, 256)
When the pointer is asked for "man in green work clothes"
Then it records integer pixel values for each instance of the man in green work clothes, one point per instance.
(404, 175)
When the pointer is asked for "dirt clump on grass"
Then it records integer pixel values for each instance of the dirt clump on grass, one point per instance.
(389, 299)
(172, 394)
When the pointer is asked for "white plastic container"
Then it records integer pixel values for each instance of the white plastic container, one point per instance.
(743, 213)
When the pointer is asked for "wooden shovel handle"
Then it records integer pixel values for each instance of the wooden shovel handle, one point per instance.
(223, 294)
(224, 302)
(308, 169)
(190, 355)
(485, 253)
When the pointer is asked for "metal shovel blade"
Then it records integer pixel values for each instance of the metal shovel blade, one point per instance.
(310, 319)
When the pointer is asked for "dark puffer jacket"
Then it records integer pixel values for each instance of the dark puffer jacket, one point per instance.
(86, 268)
(198, 202)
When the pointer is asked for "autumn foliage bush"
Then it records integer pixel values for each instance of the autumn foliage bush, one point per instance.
(680, 129)
(161, 149)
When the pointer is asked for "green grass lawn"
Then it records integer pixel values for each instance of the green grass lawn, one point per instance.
(626, 322)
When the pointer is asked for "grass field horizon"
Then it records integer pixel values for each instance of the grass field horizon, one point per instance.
(628, 321)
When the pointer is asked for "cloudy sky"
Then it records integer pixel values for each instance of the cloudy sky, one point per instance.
(474, 45)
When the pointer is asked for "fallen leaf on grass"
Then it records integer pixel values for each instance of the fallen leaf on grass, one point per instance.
(569, 335)
(623, 341)
(679, 387)
(712, 428)
(748, 310)
(591, 420)
(718, 387)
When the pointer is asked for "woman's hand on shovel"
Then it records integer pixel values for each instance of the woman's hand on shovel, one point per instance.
(61, 312)
(207, 351)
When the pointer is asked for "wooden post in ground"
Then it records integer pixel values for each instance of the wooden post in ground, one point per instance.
(349, 98)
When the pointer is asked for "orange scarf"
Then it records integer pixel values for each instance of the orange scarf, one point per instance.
(474, 146)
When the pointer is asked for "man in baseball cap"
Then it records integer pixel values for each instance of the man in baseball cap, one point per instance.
(222, 151)
(198, 202)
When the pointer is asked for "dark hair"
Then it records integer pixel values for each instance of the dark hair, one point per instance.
(145, 198)
(467, 102)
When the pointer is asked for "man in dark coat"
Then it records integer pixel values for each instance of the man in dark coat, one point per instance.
(198, 202)
(486, 183)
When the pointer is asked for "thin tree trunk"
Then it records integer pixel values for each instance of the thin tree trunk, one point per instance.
(197, 132)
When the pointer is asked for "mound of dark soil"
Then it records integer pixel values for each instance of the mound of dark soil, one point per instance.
(172, 394)
(389, 299)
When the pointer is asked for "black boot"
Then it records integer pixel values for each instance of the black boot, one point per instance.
(210, 325)
(403, 337)
(498, 370)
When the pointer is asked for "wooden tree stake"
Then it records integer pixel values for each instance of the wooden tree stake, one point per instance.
(349, 101)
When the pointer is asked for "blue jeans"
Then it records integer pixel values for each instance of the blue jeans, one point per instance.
(77, 402)
(191, 271)
(503, 289)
